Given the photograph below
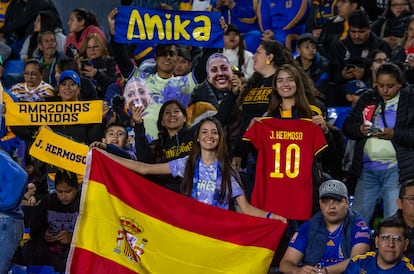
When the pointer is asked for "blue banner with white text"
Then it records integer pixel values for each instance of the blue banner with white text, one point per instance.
(157, 26)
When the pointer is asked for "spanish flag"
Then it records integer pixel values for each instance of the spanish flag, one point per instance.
(128, 224)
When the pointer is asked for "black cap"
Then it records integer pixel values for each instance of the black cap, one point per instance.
(306, 37)
(232, 27)
(183, 52)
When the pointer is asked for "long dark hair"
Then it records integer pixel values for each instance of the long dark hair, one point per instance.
(393, 70)
(222, 156)
(388, 12)
(240, 54)
(302, 105)
(162, 129)
(282, 56)
(87, 15)
(404, 39)
(68, 63)
(49, 21)
(157, 146)
(64, 176)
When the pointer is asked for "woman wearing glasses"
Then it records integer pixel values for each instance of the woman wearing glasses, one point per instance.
(382, 124)
(33, 88)
(96, 64)
(371, 64)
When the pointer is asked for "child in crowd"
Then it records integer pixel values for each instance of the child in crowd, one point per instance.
(115, 141)
(315, 65)
(52, 232)
(36, 185)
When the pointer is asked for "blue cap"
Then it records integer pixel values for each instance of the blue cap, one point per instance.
(70, 74)
(356, 87)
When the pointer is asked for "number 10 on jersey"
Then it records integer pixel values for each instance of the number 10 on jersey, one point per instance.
(290, 157)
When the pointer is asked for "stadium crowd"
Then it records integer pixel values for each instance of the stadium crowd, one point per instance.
(330, 81)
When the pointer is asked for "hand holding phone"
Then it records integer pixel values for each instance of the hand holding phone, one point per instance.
(84, 62)
(409, 57)
(349, 66)
(375, 129)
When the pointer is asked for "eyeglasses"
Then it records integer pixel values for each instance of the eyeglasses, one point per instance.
(397, 239)
(410, 199)
(381, 60)
(92, 47)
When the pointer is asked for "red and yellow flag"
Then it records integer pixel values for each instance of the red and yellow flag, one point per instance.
(128, 224)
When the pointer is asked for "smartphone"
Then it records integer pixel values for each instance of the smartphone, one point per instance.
(348, 66)
(375, 129)
(409, 57)
(84, 62)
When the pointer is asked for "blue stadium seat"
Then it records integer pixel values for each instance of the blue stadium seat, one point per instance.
(18, 269)
(40, 269)
(31, 269)
(13, 72)
(13, 66)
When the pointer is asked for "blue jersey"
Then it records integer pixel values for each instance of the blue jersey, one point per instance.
(367, 263)
(207, 182)
(333, 252)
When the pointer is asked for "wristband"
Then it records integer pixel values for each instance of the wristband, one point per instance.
(268, 215)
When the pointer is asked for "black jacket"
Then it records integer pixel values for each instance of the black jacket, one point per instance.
(347, 52)
(389, 25)
(403, 140)
(331, 32)
(105, 75)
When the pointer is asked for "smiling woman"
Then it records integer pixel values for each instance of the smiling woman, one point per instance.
(207, 172)
(69, 86)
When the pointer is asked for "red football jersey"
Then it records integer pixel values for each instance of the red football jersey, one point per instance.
(286, 150)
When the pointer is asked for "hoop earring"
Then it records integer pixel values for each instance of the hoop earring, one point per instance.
(267, 62)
